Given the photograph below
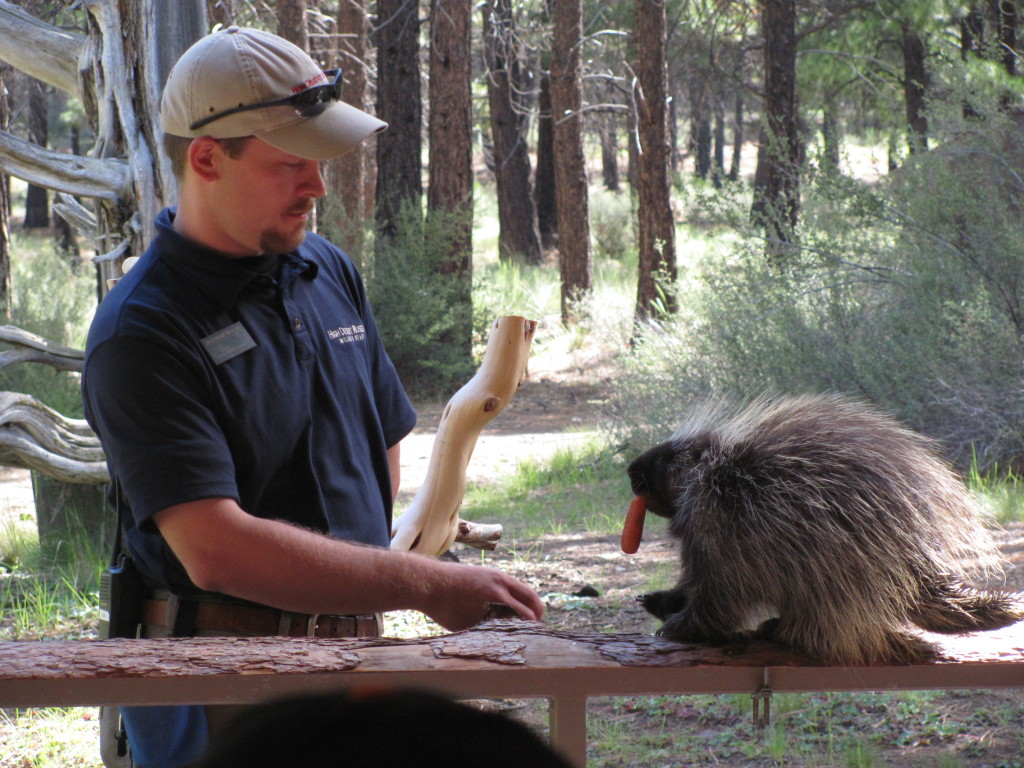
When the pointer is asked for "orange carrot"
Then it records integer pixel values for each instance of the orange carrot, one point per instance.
(633, 528)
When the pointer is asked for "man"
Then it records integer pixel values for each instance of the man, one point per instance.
(249, 413)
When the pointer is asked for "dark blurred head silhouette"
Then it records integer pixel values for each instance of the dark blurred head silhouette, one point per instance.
(395, 728)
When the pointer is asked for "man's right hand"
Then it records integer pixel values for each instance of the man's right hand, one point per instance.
(467, 591)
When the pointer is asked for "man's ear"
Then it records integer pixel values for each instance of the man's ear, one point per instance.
(205, 155)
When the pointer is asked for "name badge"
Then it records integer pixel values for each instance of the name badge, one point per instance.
(228, 343)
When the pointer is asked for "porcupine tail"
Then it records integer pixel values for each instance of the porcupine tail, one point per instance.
(949, 606)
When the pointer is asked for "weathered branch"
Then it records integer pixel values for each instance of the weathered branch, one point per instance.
(34, 436)
(35, 349)
(147, 172)
(430, 524)
(73, 174)
(478, 535)
(77, 215)
(41, 50)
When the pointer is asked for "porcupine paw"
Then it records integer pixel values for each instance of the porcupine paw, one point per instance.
(679, 628)
(662, 604)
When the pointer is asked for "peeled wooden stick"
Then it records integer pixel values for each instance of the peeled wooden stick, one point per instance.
(431, 522)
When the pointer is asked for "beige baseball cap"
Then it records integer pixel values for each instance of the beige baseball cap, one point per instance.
(247, 82)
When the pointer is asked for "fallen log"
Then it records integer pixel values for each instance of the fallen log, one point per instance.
(430, 524)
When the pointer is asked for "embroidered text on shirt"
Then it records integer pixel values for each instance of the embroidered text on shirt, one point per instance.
(346, 334)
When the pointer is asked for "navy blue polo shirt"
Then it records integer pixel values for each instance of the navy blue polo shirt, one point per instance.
(258, 379)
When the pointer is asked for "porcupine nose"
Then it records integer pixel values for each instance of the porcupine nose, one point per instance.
(637, 479)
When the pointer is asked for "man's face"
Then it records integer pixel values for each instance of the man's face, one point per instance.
(265, 197)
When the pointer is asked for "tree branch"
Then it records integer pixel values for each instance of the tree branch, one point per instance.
(41, 50)
(36, 349)
(73, 174)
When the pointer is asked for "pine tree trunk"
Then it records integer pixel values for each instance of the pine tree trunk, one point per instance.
(830, 137)
(1009, 19)
(399, 105)
(737, 139)
(519, 238)
(675, 156)
(37, 201)
(570, 170)
(702, 145)
(656, 225)
(349, 173)
(291, 22)
(450, 191)
(915, 86)
(5, 205)
(610, 158)
(544, 181)
(777, 180)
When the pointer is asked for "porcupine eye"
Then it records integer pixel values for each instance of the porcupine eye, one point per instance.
(697, 450)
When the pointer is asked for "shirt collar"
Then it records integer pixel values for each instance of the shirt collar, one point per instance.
(220, 277)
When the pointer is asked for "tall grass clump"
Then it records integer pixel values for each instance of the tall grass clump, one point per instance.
(45, 594)
(907, 293)
(534, 291)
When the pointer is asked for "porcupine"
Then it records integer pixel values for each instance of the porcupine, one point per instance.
(818, 522)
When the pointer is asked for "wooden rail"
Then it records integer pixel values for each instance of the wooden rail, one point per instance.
(498, 659)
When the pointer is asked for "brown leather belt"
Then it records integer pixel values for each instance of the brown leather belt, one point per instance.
(185, 616)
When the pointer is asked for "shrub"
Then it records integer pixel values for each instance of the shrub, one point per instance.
(612, 229)
(909, 294)
(424, 315)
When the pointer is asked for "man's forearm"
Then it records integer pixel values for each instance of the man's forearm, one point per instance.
(226, 550)
(278, 564)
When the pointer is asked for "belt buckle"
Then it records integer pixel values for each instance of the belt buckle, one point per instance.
(311, 622)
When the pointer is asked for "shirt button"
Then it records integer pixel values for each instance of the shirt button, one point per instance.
(297, 323)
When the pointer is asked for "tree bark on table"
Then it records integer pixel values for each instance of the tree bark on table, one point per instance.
(493, 644)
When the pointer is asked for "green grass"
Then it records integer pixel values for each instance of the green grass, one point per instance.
(47, 595)
(1001, 492)
(582, 488)
(813, 729)
(50, 738)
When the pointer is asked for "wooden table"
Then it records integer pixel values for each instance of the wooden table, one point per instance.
(498, 659)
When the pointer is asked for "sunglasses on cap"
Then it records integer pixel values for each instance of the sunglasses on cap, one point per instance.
(307, 103)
